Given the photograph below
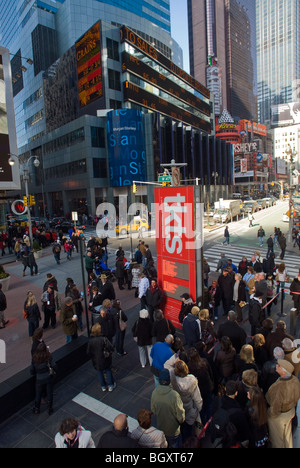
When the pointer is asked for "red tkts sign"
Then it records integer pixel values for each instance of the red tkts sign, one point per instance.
(179, 240)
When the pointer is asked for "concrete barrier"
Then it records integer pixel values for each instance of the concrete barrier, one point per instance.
(18, 391)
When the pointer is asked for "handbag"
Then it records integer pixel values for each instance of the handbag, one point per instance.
(52, 372)
(122, 324)
(106, 352)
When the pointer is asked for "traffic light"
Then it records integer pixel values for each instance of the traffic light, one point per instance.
(25, 200)
(134, 189)
(31, 200)
(166, 184)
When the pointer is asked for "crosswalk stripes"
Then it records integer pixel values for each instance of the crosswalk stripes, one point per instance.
(235, 253)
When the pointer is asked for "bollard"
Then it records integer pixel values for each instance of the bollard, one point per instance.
(293, 322)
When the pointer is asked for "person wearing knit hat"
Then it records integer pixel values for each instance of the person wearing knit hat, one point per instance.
(282, 398)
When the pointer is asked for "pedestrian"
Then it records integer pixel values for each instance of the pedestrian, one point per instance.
(222, 262)
(226, 236)
(270, 244)
(167, 406)
(142, 334)
(295, 292)
(3, 307)
(270, 294)
(147, 435)
(249, 280)
(233, 330)
(250, 219)
(282, 244)
(191, 328)
(206, 271)
(69, 249)
(245, 360)
(107, 323)
(186, 306)
(100, 351)
(225, 360)
(89, 263)
(281, 278)
(72, 435)
(159, 354)
(275, 338)
(154, 297)
(44, 369)
(186, 385)
(74, 293)
(120, 319)
(120, 271)
(50, 280)
(51, 305)
(119, 437)
(32, 264)
(69, 320)
(56, 250)
(32, 313)
(282, 398)
(214, 294)
(243, 266)
(25, 262)
(143, 287)
(226, 283)
(257, 415)
(261, 234)
(162, 326)
(256, 313)
(239, 295)
(106, 288)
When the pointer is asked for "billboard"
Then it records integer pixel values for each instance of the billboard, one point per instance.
(9, 175)
(89, 70)
(285, 114)
(179, 240)
(126, 147)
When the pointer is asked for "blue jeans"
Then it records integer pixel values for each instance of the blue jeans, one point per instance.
(71, 338)
(280, 286)
(109, 377)
(261, 241)
(174, 441)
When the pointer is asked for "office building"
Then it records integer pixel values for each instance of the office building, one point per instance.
(222, 39)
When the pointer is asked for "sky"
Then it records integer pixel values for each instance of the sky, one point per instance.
(179, 28)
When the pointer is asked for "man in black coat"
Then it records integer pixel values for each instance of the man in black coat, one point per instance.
(295, 292)
(256, 313)
(118, 437)
(226, 282)
(106, 288)
(232, 329)
(154, 298)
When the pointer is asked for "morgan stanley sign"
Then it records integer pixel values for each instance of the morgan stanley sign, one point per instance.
(126, 147)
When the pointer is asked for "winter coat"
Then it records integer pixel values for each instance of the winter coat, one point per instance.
(117, 440)
(108, 328)
(154, 298)
(188, 389)
(256, 313)
(95, 350)
(191, 329)
(33, 312)
(162, 328)
(41, 370)
(142, 330)
(168, 408)
(186, 308)
(295, 288)
(68, 325)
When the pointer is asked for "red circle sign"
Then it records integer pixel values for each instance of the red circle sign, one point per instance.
(18, 207)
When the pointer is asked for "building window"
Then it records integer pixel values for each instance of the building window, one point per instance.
(99, 168)
(97, 137)
(113, 104)
(112, 49)
(114, 81)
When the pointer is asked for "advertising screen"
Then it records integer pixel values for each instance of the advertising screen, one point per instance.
(179, 246)
(89, 70)
(126, 147)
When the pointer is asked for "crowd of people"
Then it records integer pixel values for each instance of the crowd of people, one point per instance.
(210, 378)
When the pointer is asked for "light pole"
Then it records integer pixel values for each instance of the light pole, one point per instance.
(292, 154)
(215, 176)
(25, 163)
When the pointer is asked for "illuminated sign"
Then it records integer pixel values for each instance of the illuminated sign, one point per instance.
(136, 94)
(178, 228)
(89, 70)
(245, 147)
(139, 43)
(18, 207)
(146, 73)
(126, 147)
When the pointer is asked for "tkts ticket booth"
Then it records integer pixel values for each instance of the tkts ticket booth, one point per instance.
(179, 241)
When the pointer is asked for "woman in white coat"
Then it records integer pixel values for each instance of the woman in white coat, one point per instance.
(72, 435)
(186, 385)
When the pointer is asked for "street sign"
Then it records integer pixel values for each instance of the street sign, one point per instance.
(164, 178)
(175, 176)
(259, 157)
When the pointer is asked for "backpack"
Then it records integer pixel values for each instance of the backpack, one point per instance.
(220, 421)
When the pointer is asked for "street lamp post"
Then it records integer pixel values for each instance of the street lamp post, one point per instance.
(25, 163)
(292, 154)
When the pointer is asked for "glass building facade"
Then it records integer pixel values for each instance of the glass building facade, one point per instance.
(278, 54)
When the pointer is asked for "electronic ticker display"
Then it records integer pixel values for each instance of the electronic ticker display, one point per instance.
(89, 69)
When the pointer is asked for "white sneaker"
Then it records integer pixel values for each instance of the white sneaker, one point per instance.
(110, 389)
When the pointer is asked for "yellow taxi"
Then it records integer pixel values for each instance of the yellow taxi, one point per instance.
(136, 225)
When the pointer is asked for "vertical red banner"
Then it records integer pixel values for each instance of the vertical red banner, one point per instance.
(176, 249)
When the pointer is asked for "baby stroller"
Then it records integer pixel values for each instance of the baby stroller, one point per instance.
(101, 267)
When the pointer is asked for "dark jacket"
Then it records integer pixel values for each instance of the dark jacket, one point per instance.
(108, 328)
(3, 303)
(41, 370)
(95, 349)
(236, 334)
(154, 298)
(162, 328)
(107, 290)
(142, 330)
(120, 270)
(186, 308)
(191, 329)
(116, 440)
(295, 288)
(33, 312)
(115, 313)
(226, 287)
(256, 313)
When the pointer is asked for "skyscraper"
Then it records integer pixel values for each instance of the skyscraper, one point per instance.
(222, 37)
(278, 57)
